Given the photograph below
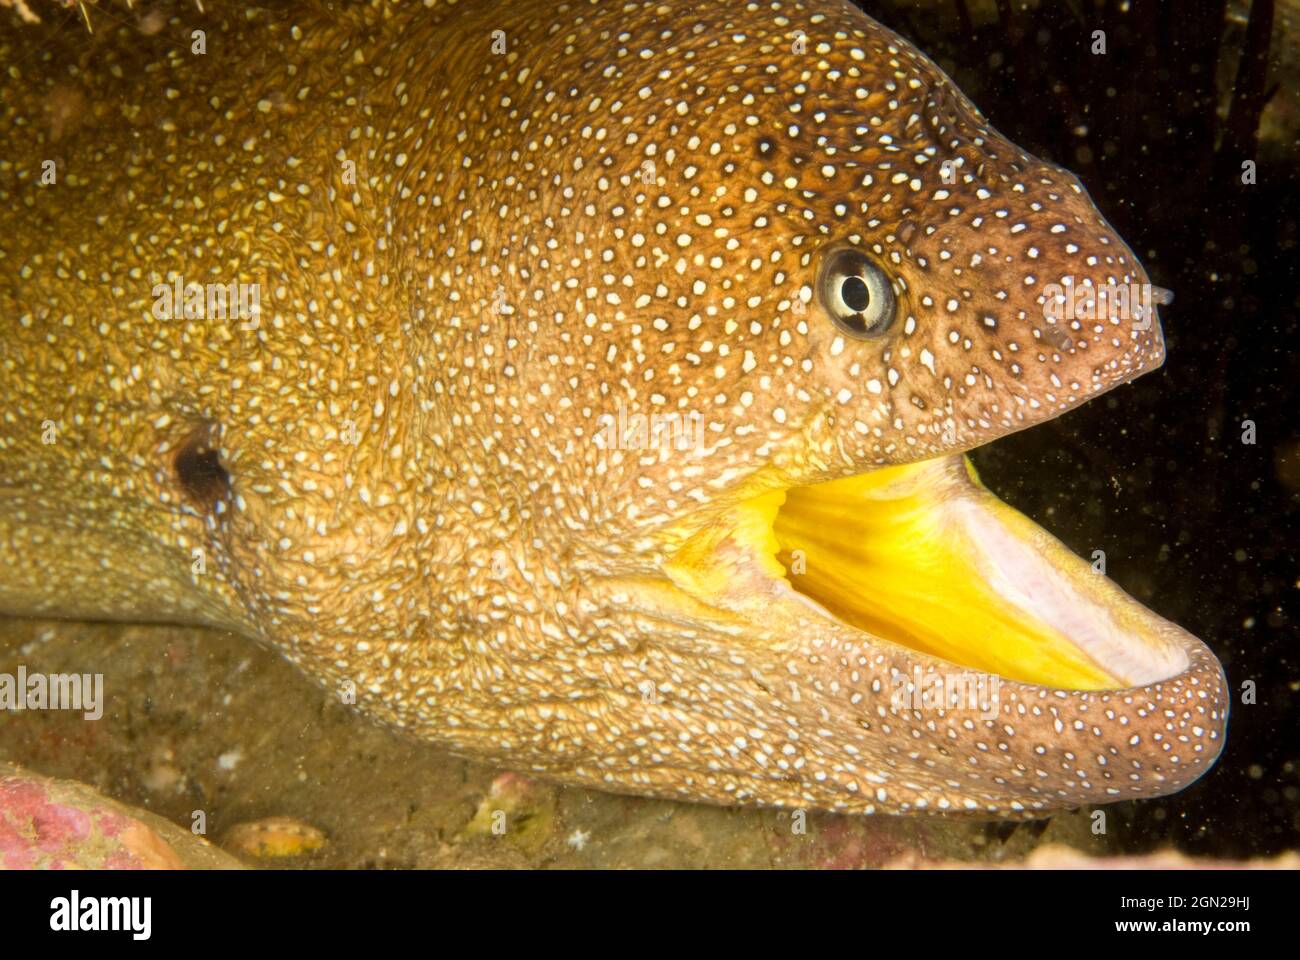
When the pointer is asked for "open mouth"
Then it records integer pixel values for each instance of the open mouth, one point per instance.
(925, 557)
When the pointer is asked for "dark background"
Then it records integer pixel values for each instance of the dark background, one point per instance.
(1195, 523)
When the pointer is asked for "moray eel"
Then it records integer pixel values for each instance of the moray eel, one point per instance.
(600, 402)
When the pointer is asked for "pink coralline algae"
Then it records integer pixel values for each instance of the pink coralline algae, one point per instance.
(46, 824)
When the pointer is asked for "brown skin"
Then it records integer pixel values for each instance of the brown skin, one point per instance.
(393, 480)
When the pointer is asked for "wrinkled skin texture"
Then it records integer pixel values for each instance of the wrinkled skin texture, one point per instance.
(465, 263)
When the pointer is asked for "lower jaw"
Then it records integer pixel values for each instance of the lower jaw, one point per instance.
(924, 557)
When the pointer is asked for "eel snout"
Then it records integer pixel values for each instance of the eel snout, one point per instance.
(1020, 304)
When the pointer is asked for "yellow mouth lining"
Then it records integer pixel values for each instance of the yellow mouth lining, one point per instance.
(883, 552)
(923, 556)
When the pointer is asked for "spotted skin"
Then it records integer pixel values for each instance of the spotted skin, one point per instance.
(468, 257)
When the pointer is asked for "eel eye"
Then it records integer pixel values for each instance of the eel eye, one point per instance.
(856, 293)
